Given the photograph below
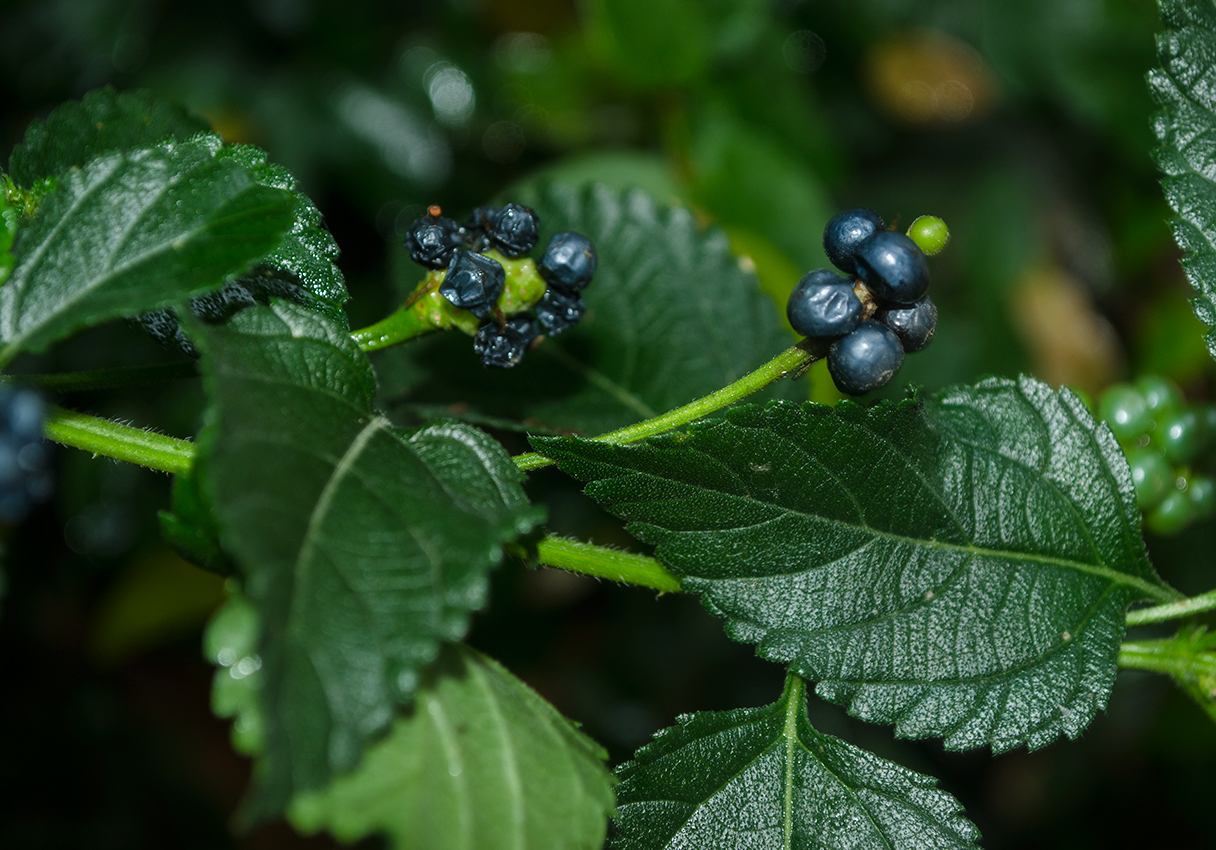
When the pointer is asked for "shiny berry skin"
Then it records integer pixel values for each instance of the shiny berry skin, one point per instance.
(847, 230)
(1152, 476)
(432, 239)
(1125, 411)
(930, 234)
(569, 261)
(474, 282)
(1202, 492)
(1181, 435)
(557, 311)
(514, 230)
(913, 325)
(893, 267)
(823, 305)
(503, 347)
(865, 359)
(473, 233)
(1160, 395)
(1172, 514)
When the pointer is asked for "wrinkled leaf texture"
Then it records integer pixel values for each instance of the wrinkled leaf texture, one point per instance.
(362, 546)
(132, 231)
(765, 778)
(1185, 89)
(958, 566)
(480, 763)
(670, 317)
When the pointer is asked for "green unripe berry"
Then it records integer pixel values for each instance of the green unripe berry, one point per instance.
(1151, 475)
(930, 234)
(1202, 491)
(1161, 395)
(1126, 412)
(1181, 435)
(1172, 514)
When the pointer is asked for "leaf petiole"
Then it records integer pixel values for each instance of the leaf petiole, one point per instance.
(601, 562)
(118, 441)
(1173, 610)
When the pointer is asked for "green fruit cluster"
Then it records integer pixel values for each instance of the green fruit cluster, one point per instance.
(1169, 445)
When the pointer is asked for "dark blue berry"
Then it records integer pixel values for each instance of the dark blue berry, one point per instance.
(25, 476)
(893, 267)
(556, 311)
(432, 239)
(514, 230)
(913, 325)
(865, 359)
(845, 232)
(504, 346)
(476, 227)
(569, 261)
(474, 282)
(823, 305)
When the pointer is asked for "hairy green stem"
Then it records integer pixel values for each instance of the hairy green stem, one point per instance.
(1187, 658)
(119, 441)
(601, 562)
(397, 327)
(106, 379)
(791, 360)
(1173, 610)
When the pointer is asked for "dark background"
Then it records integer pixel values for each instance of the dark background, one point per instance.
(1025, 125)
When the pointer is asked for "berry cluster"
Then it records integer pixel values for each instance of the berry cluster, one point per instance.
(877, 313)
(473, 277)
(1171, 448)
(25, 475)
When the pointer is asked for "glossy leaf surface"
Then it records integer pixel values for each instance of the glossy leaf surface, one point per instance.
(363, 547)
(958, 566)
(764, 777)
(132, 231)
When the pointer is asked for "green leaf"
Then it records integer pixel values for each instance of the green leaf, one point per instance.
(652, 45)
(362, 546)
(959, 566)
(307, 253)
(133, 231)
(670, 317)
(104, 121)
(230, 642)
(1186, 127)
(480, 762)
(191, 527)
(763, 777)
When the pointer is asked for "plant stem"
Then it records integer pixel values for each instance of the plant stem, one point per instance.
(104, 379)
(397, 327)
(1173, 610)
(118, 441)
(1187, 658)
(790, 360)
(601, 562)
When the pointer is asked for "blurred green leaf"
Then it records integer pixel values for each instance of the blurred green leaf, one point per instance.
(671, 316)
(480, 761)
(652, 45)
(231, 644)
(103, 121)
(849, 542)
(363, 547)
(764, 777)
(133, 231)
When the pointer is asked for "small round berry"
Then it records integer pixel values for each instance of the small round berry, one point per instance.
(1202, 491)
(569, 261)
(557, 311)
(823, 305)
(504, 346)
(930, 234)
(1125, 411)
(1161, 395)
(473, 282)
(865, 359)
(1172, 514)
(473, 233)
(432, 238)
(845, 231)
(913, 325)
(893, 267)
(514, 230)
(1151, 475)
(25, 475)
(1181, 435)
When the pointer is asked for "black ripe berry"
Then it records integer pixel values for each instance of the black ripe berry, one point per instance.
(569, 261)
(823, 305)
(504, 346)
(432, 239)
(865, 359)
(845, 232)
(893, 267)
(473, 282)
(474, 232)
(557, 310)
(514, 230)
(25, 476)
(913, 325)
